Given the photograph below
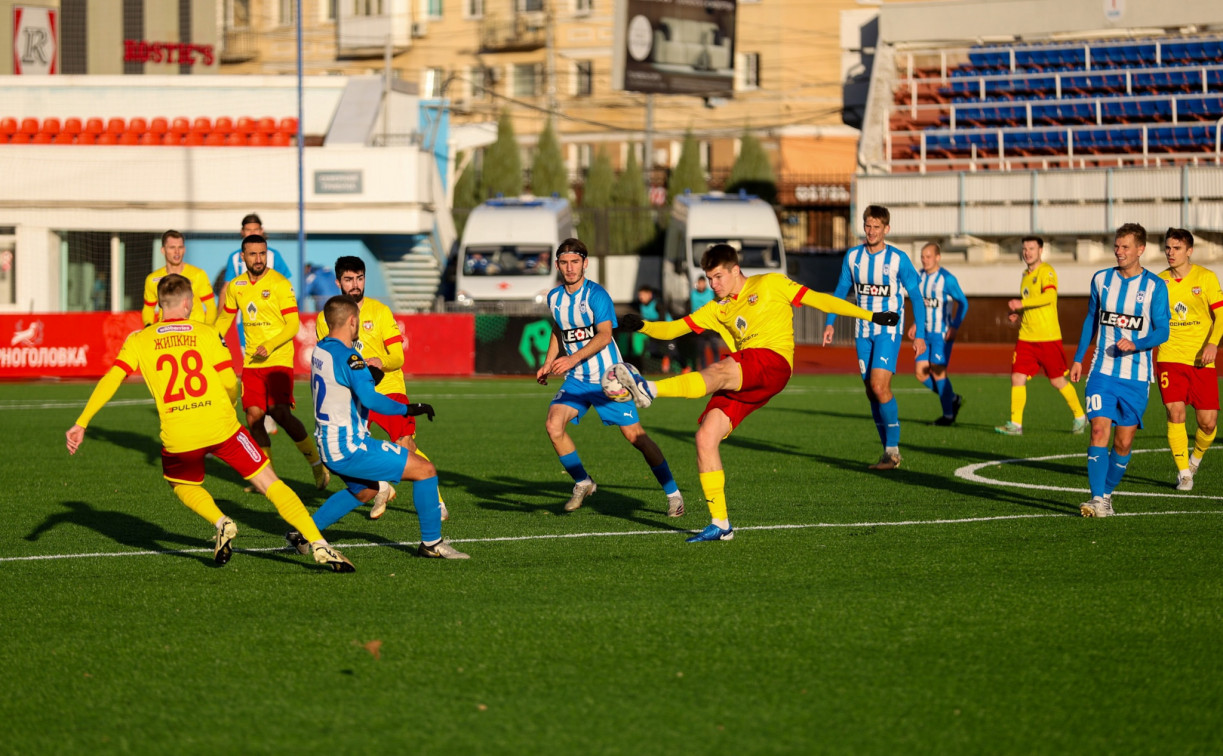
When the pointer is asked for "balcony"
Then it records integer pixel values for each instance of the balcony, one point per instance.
(367, 36)
(521, 32)
(240, 46)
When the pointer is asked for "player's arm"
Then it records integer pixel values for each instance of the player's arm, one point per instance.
(320, 328)
(545, 367)
(228, 312)
(566, 362)
(102, 393)
(148, 310)
(392, 342)
(952, 289)
(1088, 332)
(912, 285)
(1161, 317)
(362, 385)
(211, 311)
(835, 306)
(285, 334)
(1043, 298)
(843, 283)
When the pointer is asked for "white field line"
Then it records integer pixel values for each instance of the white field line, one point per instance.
(614, 534)
(71, 404)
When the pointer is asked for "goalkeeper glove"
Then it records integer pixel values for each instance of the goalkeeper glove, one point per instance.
(412, 410)
(885, 318)
(631, 322)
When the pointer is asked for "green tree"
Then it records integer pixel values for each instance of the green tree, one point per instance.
(548, 173)
(466, 192)
(632, 228)
(752, 170)
(596, 199)
(687, 174)
(502, 163)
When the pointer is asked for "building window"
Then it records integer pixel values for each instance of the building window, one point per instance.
(8, 267)
(238, 14)
(435, 81)
(583, 6)
(526, 79)
(285, 10)
(366, 7)
(434, 9)
(331, 9)
(479, 79)
(473, 8)
(747, 72)
(530, 6)
(584, 157)
(583, 78)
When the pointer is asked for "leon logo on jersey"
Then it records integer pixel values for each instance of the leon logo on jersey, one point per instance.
(574, 335)
(874, 290)
(1122, 320)
(932, 303)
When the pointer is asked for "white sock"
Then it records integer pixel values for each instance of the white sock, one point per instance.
(723, 524)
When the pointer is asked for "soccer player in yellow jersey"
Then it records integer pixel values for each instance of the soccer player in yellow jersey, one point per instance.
(1185, 364)
(1040, 339)
(189, 372)
(203, 306)
(755, 316)
(270, 321)
(380, 344)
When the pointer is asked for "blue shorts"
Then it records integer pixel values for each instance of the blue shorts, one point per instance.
(938, 350)
(879, 352)
(374, 461)
(1119, 399)
(582, 396)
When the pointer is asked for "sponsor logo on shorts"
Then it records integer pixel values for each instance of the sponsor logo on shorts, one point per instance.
(1122, 320)
(574, 335)
(874, 290)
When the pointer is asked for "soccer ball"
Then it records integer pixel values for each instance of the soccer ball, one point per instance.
(612, 387)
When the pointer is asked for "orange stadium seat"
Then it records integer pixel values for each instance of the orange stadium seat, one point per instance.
(64, 138)
(51, 126)
(115, 126)
(201, 125)
(147, 138)
(20, 138)
(72, 126)
(129, 137)
(281, 140)
(42, 138)
(107, 138)
(194, 139)
(170, 139)
(8, 126)
(138, 125)
(158, 126)
(258, 140)
(29, 126)
(214, 140)
(223, 125)
(245, 125)
(266, 126)
(180, 126)
(235, 140)
(94, 126)
(86, 138)
(288, 126)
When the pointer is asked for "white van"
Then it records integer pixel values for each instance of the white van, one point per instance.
(506, 251)
(699, 221)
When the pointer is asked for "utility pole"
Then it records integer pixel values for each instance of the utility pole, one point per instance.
(647, 160)
(550, 39)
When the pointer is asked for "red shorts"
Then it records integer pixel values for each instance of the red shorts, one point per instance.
(239, 451)
(265, 387)
(765, 374)
(1033, 356)
(1196, 386)
(396, 426)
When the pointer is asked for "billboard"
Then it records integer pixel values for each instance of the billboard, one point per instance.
(675, 47)
(35, 40)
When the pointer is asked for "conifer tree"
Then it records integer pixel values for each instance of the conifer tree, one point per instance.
(502, 163)
(548, 173)
(752, 171)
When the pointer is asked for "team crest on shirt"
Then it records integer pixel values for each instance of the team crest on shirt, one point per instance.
(887, 269)
(752, 299)
(1197, 291)
(367, 325)
(1141, 296)
(266, 293)
(582, 308)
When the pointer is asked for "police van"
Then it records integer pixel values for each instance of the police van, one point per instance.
(699, 221)
(506, 251)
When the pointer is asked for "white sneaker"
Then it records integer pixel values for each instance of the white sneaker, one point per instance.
(675, 504)
(1184, 480)
(385, 495)
(581, 491)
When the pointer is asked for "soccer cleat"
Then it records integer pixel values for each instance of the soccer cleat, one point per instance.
(321, 475)
(675, 504)
(440, 550)
(637, 386)
(328, 555)
(1079, 425)
(385, 495)
(1099, 506)
(712, 533)
(441, 507)
(889, 461)
(1106, 509)
(297, 541)
(956, 405)
(224, 548)
(581, 491)
(1184, 480)
(944, 420)
(1194, 464)
(1010, 429)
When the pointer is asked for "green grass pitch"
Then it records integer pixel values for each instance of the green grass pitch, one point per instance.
(904, 612)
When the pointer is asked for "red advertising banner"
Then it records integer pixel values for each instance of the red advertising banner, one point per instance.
(84, 344)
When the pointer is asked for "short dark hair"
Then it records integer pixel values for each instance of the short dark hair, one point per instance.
(338, 309)
(572, 246)
(171, 234)
(348, 264)
(1179, 234)
(1039, 241)
(717, 256)
(252, 218)
(253, 239)
(878, 212)
(172, 289)
(1135, 230)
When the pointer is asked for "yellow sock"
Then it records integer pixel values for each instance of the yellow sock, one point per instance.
(293, 511)
(714, 486)
(440, 500)
(1072, 399)
(1178, 440)
(1019, 398)
(687, 386)
(307, 448)
(199, 501)
(1202, 442)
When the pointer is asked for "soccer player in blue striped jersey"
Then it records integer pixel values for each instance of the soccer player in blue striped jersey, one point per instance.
(881, 277)
(1127, 317)
(585, 317)
(343, 389)
(939, 291)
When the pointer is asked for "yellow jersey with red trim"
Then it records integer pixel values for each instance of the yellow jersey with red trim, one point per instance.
(1038, 291)
(181, 361)
(377, 333)
(264, 305)
(760, 316)
(1195, 318)
(202, 298)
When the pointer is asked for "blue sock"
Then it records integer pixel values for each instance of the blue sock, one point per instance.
(424, 498)
(337, 505)
(875, 413)
(1097, 468)
(663, 474)
(573, 466)
(891, 422)
(1116, 468)
(946, 396)
(930, 383)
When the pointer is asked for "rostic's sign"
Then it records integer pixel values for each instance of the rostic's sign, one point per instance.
(182, 53)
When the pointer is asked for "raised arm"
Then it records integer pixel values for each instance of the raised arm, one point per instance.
(1160, 320)
(1088, 333)
(843, 283)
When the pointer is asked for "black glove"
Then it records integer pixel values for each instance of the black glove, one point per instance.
(631, 322)
(419, 409)
(376, 374)
(885, 318)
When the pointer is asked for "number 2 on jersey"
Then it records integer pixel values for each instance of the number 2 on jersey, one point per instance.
(193, 381)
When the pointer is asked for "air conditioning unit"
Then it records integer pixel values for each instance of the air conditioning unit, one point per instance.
(419, 29)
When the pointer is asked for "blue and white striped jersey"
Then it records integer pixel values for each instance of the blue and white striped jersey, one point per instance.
(880, 282)
(344, 393)
(1134, 308)
(938, 290)
(577, 316)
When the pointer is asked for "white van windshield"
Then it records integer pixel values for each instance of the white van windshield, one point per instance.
(507, 260)
(753, 253)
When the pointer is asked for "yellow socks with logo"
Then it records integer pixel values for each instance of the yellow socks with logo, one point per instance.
(1202, 442)
(1019, 399)
(199, 501)
(308, 450)
(687, 386)
(1178, 440)
(293, 511)
(1072, 399)
(714, 486)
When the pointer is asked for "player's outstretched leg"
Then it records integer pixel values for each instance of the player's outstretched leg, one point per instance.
(715, 427)
(294, 512)
(641, 440)
(425, 498)
(198, 500)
